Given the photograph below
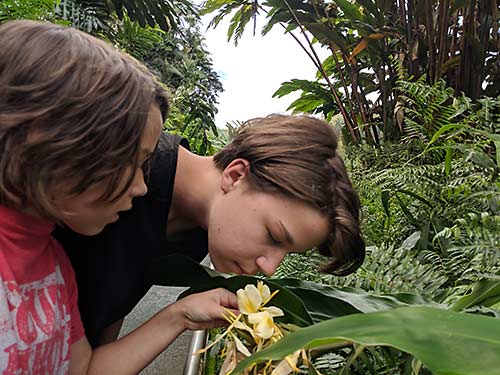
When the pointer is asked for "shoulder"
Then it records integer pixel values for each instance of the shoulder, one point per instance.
(169, 143)
(163, 165)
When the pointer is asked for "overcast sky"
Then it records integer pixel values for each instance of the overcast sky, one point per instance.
(254, 70)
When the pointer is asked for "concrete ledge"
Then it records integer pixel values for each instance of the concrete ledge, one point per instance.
(172, 360)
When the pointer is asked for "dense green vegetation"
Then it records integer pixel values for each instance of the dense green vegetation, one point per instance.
(414, 89)
(457, 41)
(415, 84)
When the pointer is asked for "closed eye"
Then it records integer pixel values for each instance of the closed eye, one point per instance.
(273, 239)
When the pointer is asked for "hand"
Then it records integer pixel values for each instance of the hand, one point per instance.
(204, 310)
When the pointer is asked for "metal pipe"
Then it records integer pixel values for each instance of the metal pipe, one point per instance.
(199, 341)
(193, 361)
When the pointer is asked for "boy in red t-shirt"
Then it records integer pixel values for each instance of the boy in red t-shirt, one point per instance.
(77, 121)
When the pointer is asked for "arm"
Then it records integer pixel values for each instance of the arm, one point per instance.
(132, 353)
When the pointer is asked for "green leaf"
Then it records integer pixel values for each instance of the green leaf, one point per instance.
(407, 212)
(325, 302)
(446, 342)
(416, 196)
(326, 35)
(497, 147)
(411, 241)
(371, 6)
(441, 130)
(484, 292)
(447, 160)
(350, 10)
(212, 5)
(178, 270)
(385, 196)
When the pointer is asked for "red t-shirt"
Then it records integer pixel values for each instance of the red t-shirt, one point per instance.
(39, 318)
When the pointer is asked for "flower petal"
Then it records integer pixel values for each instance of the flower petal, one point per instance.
(283, 368)
(273, 310)
(249, 299)
(230, 362)
(292, 360)
(263, 324)
(287, 365)
(264, 291)
(241, 348)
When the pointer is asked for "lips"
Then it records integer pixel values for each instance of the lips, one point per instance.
(126, 209)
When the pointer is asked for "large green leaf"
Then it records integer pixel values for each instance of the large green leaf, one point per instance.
(325, 302)
(350, 9)
(165, 13)
(448, 343)
(183, 271)
(302, 301)
(326, 35)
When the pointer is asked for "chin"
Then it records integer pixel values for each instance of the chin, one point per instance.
(93, 232)
(86, 230)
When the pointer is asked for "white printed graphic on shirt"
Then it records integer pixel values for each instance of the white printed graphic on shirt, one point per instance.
(34, 327)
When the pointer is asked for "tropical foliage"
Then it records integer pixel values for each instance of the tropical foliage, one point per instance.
(179, 59)
(396, 333)
(414, 88)
(431, 212)
(457, 41)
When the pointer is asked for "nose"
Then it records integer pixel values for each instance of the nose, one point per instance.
(268, 263)
(139, 187)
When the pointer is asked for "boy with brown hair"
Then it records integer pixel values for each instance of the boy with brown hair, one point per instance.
(78, 119)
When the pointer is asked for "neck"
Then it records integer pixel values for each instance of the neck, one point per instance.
(196, 184)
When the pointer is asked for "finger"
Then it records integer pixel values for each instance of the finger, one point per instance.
(235, 312)
(219, 323)
(227, 298)
(214, 323)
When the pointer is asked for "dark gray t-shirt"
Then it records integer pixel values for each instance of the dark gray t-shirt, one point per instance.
(111, 267)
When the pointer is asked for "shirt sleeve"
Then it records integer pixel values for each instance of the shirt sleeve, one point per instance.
(77, 330)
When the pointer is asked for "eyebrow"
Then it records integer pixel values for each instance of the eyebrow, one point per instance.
(288, 236)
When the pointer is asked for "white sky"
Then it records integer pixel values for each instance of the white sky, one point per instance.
(252, 71)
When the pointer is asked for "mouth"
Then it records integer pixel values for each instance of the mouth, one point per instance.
(117, 213)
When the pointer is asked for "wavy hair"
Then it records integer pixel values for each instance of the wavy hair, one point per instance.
(72, 114)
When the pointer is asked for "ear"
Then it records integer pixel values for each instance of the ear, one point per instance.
(234, 174)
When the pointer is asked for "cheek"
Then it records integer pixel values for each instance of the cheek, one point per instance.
(226, 236)
(221, 237)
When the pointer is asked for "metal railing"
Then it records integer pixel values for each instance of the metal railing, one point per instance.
(193, 361)
(199, 341)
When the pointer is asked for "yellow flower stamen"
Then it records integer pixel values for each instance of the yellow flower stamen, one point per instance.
(228, 329)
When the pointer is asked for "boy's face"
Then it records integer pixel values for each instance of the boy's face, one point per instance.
(86, 214)
(250, 232)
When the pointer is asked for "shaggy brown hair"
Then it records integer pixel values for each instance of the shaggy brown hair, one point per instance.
(297, 156)
(72, 113)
